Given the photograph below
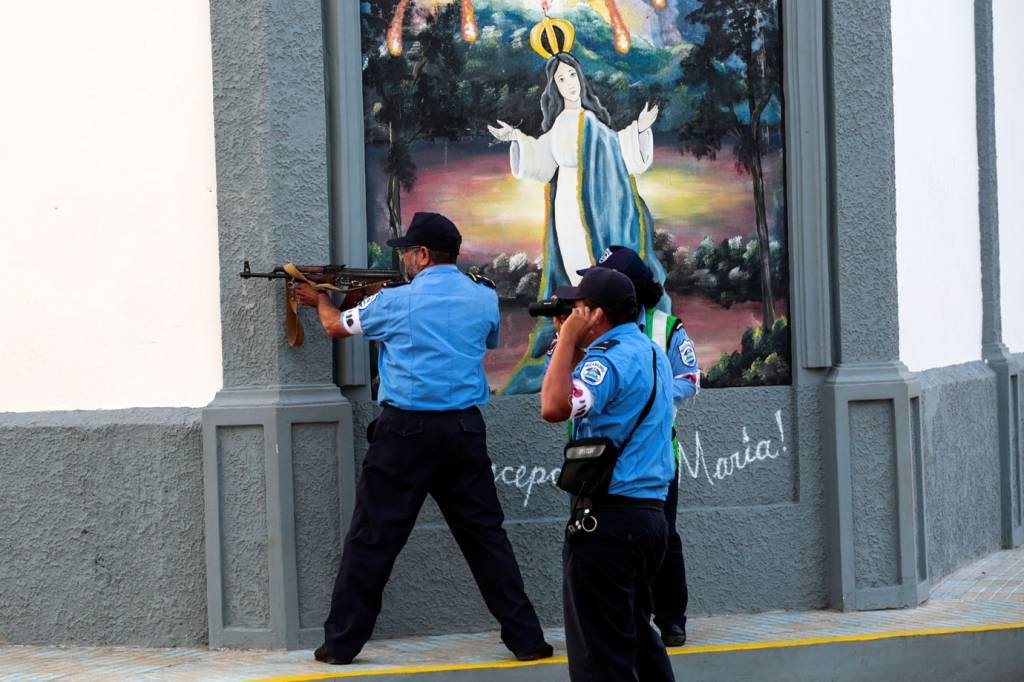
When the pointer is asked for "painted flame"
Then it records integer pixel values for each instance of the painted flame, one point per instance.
(659, 4)
(469, 28)
(620, 32)
(393, 38)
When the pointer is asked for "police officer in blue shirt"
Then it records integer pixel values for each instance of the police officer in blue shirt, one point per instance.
(671, 596)
(615, 541)
(429, 439)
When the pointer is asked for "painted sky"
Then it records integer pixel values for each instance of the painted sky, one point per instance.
(471, 183)
(643, 20)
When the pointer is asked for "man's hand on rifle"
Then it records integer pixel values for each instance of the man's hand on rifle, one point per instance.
(306, 294)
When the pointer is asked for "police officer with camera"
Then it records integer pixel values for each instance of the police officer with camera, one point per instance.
(670, 593)
(671, 596)
(429, 439)
(618, 395)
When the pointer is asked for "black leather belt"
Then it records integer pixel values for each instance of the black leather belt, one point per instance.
(620, 502)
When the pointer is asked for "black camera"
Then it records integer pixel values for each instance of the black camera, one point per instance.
(551, 307)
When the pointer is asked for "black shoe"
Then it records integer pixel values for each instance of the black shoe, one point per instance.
(545, 650)
(673, 635)
(322, 655)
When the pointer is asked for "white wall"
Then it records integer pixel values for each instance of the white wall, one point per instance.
(108, 224)
(938, 240)
(1007, 15)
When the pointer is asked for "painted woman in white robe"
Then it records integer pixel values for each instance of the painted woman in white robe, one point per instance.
(590, 194)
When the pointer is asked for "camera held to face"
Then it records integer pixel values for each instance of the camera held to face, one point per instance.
(551, 307)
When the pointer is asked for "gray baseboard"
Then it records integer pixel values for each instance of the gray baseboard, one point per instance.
(961, 465)
(101, 528)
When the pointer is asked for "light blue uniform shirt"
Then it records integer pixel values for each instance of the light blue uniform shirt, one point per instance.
(433, 333)
(611, 385)
(682, 357)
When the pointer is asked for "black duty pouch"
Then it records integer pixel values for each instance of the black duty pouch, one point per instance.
(589, 462)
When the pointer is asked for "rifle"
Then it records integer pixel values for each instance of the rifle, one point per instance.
(339, 278)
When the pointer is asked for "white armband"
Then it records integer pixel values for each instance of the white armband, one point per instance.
(582, 399)
(350, 321)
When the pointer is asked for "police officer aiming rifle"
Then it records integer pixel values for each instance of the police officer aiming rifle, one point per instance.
(428, 439)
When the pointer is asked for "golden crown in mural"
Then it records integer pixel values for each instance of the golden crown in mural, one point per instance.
(552, 36)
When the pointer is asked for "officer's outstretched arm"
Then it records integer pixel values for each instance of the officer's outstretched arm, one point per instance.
(330, 318)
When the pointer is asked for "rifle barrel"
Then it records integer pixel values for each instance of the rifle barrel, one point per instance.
(340, 272)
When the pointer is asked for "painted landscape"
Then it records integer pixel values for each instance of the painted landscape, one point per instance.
(715, 188)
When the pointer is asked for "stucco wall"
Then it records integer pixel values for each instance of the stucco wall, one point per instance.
(109, 206)
(1007, 15)
(937, 238)
(753, 535)
(101, 528)
(961, 465)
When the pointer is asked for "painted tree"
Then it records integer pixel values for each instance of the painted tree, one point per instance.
(736, 71)
(412, 96)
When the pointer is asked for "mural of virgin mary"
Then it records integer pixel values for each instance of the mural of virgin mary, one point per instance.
(591, 198)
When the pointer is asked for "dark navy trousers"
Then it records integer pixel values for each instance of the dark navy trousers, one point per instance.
(411, 455)
(607, 576)
(670, 594)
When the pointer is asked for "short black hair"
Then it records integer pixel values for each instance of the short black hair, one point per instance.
(442, 257)
(648, 292)
(617, 315)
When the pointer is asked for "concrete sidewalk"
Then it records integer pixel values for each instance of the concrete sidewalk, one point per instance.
(984, 599)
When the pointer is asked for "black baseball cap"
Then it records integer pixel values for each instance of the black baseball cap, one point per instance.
(626, 261)
(605, 288)
(431, 230)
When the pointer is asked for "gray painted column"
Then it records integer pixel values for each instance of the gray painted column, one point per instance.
(994, 352)
(871, 430)
(277, 440)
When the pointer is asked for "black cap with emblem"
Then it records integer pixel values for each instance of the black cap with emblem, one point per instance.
(627, 261)
(608, 289)
(431, 230)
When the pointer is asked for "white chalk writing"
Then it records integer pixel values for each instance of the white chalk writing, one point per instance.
(516, 477)
(524, 478)
(728, 466)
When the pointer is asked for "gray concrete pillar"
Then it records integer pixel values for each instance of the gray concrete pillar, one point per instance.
(871, 420)
(277, 440)
(994, 352)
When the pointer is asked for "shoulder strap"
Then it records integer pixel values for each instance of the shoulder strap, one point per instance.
(480, 279)
(650, 400)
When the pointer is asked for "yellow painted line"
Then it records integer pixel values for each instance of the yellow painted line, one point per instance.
(681, 651)
(412, 670)
(839, 639)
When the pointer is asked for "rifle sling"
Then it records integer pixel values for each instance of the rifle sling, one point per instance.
(296, 336)
(293, 325)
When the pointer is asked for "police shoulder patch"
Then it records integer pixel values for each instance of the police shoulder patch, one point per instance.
(593, 372)
(480, 279)
(687, 353)
(604, 345)
(365, 303)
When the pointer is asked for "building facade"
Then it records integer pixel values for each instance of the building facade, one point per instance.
(173, 473)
